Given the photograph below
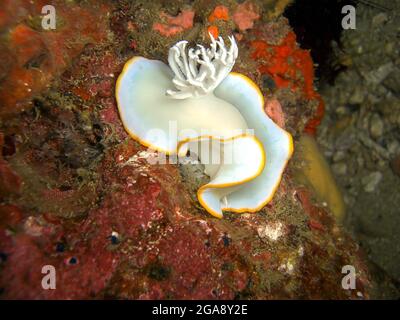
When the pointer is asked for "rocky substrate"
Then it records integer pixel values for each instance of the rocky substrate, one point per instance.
(77, 192)
(360, 136)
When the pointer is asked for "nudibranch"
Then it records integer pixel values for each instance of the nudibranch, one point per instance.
(197, 104)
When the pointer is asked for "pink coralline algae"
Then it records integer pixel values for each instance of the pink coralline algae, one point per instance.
(244, 15)
(274, 110)
(174, 25)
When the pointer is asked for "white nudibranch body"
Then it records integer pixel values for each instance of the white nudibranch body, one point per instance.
(197, 104)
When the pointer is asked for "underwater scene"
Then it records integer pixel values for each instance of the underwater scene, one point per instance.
(199, 150)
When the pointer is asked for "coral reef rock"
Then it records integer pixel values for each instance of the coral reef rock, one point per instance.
(78, 194)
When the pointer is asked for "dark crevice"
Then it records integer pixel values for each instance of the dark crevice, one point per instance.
(317, 24)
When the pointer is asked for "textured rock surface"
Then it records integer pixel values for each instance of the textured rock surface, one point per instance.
(77, 192)
(361, 129)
